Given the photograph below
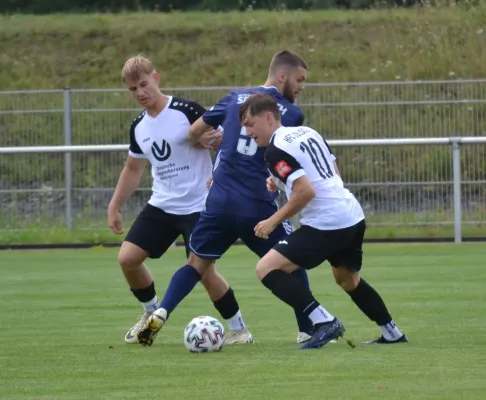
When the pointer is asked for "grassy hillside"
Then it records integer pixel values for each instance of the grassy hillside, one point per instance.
(233, 49)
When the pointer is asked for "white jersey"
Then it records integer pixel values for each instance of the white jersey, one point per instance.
(299, 151)
(180, 170)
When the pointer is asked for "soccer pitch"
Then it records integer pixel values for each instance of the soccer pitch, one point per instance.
(65, 313)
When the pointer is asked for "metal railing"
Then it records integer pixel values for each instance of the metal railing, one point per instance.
(455, 142)
(409, 185)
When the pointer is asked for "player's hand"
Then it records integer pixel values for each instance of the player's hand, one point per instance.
(265, 228)
(208, 183)
(271, 185)
(207, 139)
(115, 221)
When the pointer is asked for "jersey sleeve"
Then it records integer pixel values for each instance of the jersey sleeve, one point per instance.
(195, 111)
(190, 108)
(134, 149)
(283, 165)
(300, 120)
(215, 115)
(294, 118)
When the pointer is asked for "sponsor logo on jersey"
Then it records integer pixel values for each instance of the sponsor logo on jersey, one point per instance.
(282, 169)
(161, 153)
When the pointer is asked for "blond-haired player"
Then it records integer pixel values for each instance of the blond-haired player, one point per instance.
(180, 172)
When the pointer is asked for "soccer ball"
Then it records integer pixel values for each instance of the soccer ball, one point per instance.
(204, 334)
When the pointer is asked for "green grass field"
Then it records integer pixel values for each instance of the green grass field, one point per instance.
(65, 314)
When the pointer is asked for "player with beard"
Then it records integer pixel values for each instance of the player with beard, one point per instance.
(237, 198)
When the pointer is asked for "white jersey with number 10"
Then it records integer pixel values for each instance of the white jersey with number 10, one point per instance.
(295, 152)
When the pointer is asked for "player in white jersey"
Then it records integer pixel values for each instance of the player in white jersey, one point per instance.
(332, 224)
(180, 172)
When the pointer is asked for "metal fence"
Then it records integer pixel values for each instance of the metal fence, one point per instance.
(410, 185)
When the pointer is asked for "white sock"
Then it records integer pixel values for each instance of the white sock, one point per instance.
(236, 322)
(320, 315)
(390, 332)
(151, 306)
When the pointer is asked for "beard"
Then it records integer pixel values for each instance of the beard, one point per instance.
(288, 93)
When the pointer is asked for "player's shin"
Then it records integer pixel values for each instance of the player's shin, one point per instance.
(147, 297)
(181, 284)
(303, 322)
(372, 305)
(229, 309)
(292, 291)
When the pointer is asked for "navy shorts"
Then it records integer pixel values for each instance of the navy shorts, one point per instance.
(214, 234)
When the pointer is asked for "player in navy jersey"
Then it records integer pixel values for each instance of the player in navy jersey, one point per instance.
(239, 168)
(237, 198)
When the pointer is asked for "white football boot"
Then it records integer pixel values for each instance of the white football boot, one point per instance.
(152, 326)
(131, 336)
(239, 337)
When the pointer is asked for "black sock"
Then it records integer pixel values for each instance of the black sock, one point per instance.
(370, 303)
(290, 290)
(145, 294)
(227, 305)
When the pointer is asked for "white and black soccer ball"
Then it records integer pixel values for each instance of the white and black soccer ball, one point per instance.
(204, 334)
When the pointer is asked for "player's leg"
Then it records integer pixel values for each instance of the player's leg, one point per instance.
(302, 248)
(225, 302)
(261, 247)
(346, 266)
(208, 246)
(144, 240)
(181, 284)
(303, 323)
(218, 289)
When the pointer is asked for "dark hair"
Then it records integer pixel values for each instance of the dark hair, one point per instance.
(257, 104)
(286, 58)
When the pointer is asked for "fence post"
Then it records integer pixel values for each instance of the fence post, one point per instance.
(456, 179)
(68, 168)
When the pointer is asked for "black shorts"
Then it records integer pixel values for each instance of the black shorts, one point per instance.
(309, 247)
(155, 230)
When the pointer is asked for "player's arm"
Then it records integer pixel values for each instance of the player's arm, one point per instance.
(203, 135)
(128, 182)
(196, 131)
(302, 193)
(212, 119)
(288, 170)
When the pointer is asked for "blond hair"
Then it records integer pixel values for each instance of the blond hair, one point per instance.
(135, 67)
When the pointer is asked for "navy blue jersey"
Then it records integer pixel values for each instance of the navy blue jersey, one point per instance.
(240, 172)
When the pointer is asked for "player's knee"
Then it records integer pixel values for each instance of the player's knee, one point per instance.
(214, 283)
(347, 280)
(209, 275)
(262, 268)
(128, 262)
(131, 257)
(199, 264)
